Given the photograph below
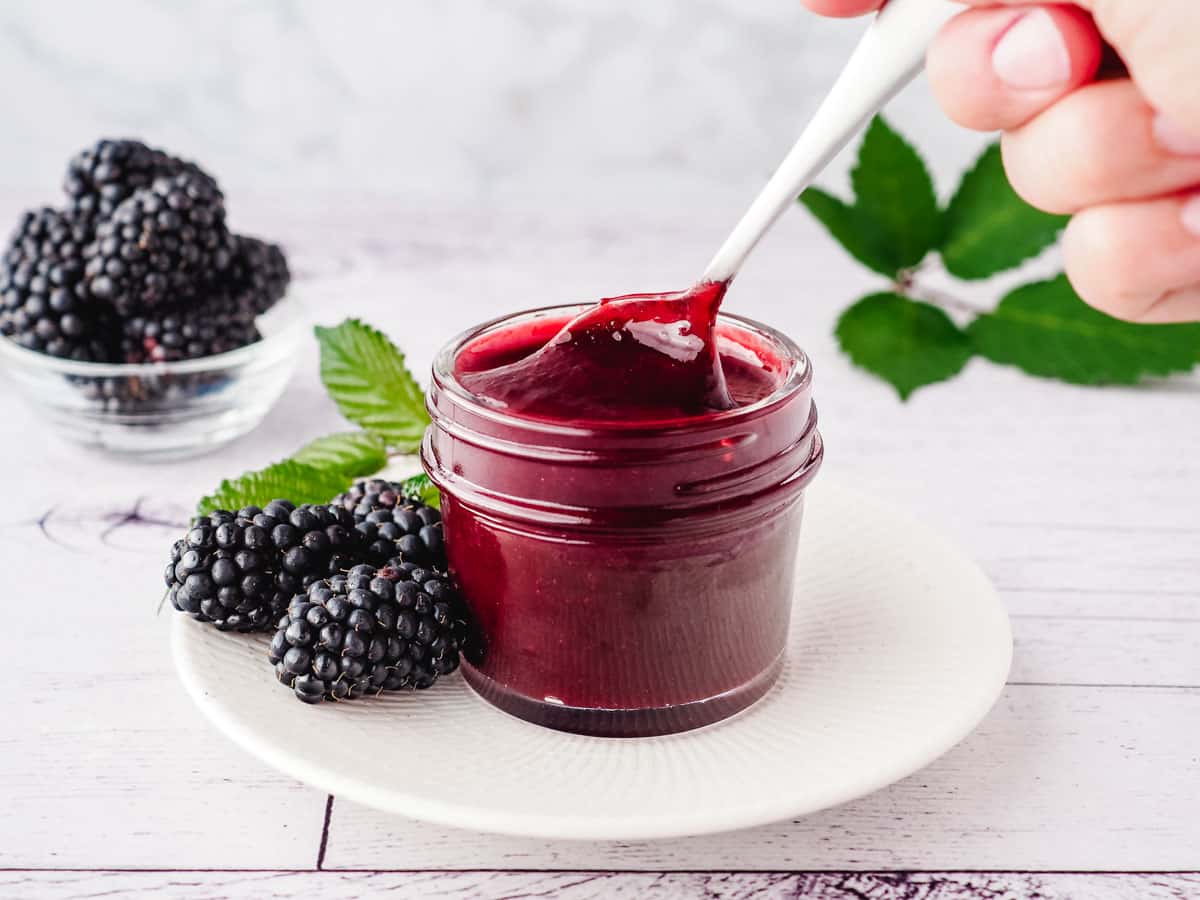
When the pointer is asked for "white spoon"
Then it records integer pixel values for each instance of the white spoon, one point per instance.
(890, 55)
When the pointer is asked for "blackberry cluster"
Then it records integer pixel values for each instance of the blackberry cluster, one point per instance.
(103, 175)
(369, 630)
(393, 525)
(238, 570)
(164, 244)
(139, 266)
(42, 304)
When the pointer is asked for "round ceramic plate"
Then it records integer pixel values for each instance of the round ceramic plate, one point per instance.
(899, 646)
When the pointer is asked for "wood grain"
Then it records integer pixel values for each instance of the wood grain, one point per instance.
(597, 885)
(1094, 651)
(1056, 778)
(104, 757)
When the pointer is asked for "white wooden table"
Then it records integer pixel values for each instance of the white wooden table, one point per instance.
(1083, 505)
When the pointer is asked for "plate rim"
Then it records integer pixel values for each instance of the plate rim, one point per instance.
(644, 826)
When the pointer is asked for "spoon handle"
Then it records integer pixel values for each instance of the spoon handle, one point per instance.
(890, 55)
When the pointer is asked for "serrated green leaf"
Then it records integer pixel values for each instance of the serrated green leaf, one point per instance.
(858, 234)
(987, 228)
(421, 487)
(366, 376)
(1045, 329)
(288, 480)
(894, 220)
(893, 189)
(314, 473)
(355, 453)
(906, 343)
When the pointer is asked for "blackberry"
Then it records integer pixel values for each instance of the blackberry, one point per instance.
(312, 541)
(103, 175)
(258, 275)
(367, 631)
(163, 244)
(392, 524)
(217, 324)
(41, 303)
(223, 571)
(238, 570)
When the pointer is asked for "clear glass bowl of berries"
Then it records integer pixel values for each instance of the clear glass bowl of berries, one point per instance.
(164, 409)
(134, 319)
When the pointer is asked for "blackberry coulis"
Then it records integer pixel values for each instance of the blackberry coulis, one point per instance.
(394, 525)
(369, 630)
(238, 570)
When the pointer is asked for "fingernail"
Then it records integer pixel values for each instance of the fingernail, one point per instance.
(1032, 55)
(1174, 139)
(1191, 215)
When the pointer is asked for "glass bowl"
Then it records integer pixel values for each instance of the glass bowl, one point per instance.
(162, 410)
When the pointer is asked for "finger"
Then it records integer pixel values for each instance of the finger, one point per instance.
(994, 69)
(1156, 39)
(1102, 144)
(843, 8)
(1158, 42)
(1138, 261)
(1175, 307)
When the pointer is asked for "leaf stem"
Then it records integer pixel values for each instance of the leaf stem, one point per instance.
(908, 286)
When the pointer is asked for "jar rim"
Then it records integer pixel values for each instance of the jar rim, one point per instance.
(798, 378)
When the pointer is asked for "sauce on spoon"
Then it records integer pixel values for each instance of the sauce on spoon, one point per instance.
(645, 358)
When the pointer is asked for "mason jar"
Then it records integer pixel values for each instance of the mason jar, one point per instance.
(625, 578)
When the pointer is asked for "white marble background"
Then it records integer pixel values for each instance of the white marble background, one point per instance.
(621, 103)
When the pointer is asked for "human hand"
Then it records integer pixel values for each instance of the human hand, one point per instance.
(1122, 155)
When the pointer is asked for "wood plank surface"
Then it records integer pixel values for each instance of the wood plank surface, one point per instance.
(600, 885)
(1080, 504)
(1055, 778)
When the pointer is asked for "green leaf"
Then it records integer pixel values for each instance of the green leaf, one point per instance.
(895, 191)
(288, 480)
(421, 487)
(861, 237)
(355, 453)
(906, 343)
(1045, 329)
(894, 221)
(988, 228)
(313, 474)
(365, 375)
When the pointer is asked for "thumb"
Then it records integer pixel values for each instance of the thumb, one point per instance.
(1156, 39)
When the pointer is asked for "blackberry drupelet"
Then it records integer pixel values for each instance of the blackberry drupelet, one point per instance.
(166, 243)
(217, 324)
(258, 275)
(239, 570)
(41, 306)
(392, 524)
(103, 175)
(367, 631)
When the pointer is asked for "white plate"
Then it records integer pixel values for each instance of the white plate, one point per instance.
(899, 646)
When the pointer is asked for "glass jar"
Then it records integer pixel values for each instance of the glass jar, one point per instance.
(625, 580)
